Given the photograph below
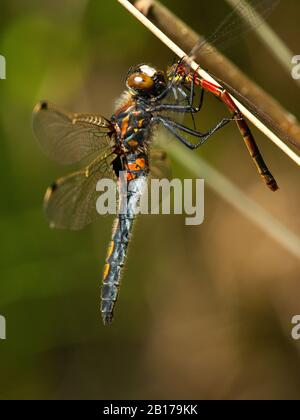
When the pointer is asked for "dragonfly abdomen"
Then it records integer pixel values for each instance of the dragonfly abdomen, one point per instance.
(117, 250)
(115, 260)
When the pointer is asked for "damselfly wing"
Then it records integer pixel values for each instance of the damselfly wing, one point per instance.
(245, 17)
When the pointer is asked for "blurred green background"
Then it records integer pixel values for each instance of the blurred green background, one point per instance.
(204, 312)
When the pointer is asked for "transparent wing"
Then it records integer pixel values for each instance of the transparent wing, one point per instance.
(70, 203)
(68, 138)
(259, 113)
(160, 165)
(160, 169)
(246, 16)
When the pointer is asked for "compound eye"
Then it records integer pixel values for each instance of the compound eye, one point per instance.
(140, 81)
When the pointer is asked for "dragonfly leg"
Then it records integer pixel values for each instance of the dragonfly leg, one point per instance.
(191, 95)
(164, 93)
(173, 127)
(252, 147)
(197, 109)
(175, 108)
(190, 108)
(197, 133)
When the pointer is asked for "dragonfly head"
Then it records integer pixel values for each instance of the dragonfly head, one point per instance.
(146, 81)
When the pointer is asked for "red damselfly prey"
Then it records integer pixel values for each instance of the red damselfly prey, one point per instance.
(124, 143)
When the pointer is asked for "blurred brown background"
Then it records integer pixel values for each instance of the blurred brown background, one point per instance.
(204, 312)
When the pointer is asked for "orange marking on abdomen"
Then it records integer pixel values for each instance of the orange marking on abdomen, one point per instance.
(138, 165)
(130, 176)
(141, 163)
(106, 271)
(110, 249)
(124, 126)
(133, 143)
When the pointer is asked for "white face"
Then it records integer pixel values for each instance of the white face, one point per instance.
(149, 71)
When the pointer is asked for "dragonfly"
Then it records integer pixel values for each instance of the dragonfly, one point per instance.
(124, 144)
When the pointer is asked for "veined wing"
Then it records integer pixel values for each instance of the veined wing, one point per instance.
(160, 167)
(246, 16)
(70, 203)
(68, 138)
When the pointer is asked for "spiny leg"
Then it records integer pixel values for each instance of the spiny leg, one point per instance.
(191, 95)
(190, 98)
(172, 126)
(175, 108)
(197, 133)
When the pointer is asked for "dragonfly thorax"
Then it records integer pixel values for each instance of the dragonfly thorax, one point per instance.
(145, 81)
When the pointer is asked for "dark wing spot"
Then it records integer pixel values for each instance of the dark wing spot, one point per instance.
(53, 187)
(43, 105)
